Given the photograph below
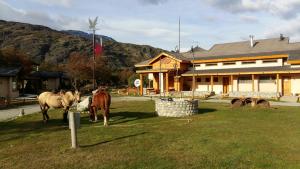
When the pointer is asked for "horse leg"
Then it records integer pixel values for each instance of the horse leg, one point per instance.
(106, 116)
(44, 116)
(46, 113)
(65, 115)
(95, 113)
(91, 111)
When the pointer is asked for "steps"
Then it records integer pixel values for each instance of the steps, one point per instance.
(293, 99)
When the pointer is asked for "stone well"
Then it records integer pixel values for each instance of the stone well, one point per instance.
(176, 107)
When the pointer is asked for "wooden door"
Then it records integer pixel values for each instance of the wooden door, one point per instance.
(225, 84)
(286, 86)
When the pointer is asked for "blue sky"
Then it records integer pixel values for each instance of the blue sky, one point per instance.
(155, 22)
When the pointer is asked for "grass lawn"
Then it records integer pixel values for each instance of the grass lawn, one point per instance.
(217, 137)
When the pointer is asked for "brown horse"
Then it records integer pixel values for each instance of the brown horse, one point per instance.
(101, 100)
(60, 100)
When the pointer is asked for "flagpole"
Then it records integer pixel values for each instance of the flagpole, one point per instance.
(94, 84)
(92, 27)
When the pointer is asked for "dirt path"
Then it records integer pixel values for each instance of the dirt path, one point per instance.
(12, 113)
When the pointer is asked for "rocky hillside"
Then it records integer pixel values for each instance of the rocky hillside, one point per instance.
(43, 44)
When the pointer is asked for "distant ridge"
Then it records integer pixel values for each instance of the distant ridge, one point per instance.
(86, 35)
(43, 44)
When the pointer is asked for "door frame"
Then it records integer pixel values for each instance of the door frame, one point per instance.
(284, 86)
(226, 86)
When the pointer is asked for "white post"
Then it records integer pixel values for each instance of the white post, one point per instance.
(22, 112)
(161, 80)
(73, 128)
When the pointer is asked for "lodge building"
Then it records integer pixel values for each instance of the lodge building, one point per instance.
(256, 68)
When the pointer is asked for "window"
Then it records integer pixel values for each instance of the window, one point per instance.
(211, 64)
(267, 79)
(228, 63)
(216, 79)
(245, 79)
(270, 61)
(207, 79)
(14, 83)
(199, 79)
(248, 62)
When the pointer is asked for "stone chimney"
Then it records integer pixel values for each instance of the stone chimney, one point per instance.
(251, 41)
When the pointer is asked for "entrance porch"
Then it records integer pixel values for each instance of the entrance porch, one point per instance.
(271, 85)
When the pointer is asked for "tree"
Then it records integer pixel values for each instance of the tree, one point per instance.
(12, 57)
(78, 68)
(124, 74)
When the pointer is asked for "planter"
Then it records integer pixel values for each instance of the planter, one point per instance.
(176, 107)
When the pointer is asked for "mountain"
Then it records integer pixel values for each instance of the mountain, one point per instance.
(42, 44)
(87, 35)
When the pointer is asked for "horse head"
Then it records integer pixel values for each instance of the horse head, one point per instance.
(77, 96)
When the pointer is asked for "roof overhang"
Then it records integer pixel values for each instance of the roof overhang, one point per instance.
(244, 71)
(293, 62)
(153, 71)
(241, 58)
(167, 55)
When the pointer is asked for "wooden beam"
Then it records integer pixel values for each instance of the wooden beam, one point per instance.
(212, 83)
(231, 77)
(141, 86)
(253, 86)
(277, 81)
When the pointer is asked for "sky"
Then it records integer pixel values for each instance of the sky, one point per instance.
(155, 22)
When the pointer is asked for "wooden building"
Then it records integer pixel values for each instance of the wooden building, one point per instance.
(262, 68)
(9, 82)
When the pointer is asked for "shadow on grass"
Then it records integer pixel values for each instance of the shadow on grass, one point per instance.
(111, 140)
(15, 129)
(121, 117)
(206, 110)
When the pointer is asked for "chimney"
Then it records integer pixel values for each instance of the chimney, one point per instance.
(281, 37)
(251, 41)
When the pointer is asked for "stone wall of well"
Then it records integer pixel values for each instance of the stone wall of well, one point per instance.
(176, 107)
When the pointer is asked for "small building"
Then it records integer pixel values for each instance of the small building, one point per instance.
(254, 68)
(9, 82)
(40, 81)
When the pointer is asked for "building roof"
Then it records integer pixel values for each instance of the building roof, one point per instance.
(243, 48)
(9, 71)
(143, 63)
(173, 55)
(294, 56)
(254, 70)
(46, 74)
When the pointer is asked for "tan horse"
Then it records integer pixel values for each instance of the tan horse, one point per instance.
(61, 100)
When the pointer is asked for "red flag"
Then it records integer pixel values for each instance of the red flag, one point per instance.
(98, 47)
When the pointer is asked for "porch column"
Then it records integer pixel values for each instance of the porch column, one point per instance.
(212, 82)
(194, 83)
(141, 86)
(277, 81)
(231, 77)
(238, 84)
(253, 88)
(167, 82)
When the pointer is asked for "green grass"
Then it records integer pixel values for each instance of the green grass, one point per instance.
(217, 137)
